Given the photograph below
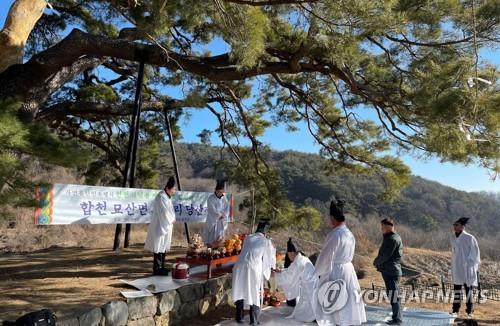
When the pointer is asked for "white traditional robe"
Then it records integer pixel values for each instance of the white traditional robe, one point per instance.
(254, 264)
(465, 259)
(160, 227)
(335, 263)
(215, 226)
(298, 282)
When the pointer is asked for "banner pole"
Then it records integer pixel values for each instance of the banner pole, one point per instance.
(176, 167)
(129, 178)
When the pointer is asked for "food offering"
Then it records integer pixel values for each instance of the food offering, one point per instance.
(196, 246)
(232, 247)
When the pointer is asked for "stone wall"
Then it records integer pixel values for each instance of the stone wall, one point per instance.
(167, 308)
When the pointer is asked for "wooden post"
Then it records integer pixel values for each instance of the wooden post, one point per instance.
(478, 288)
(129, 178)
(442, 286)
(176, 167)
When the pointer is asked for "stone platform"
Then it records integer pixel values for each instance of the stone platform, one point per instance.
(376, 315)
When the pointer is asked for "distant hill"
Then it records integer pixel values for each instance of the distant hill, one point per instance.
(424, 204)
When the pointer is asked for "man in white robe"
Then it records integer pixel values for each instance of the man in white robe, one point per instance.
(257, 258)
(298, 282)
(160, 227)
(217, 216)
(337, 298)
(465, 260)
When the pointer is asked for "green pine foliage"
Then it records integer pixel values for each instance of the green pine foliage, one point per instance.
(21, 145)
(306, 191)
(406, 63)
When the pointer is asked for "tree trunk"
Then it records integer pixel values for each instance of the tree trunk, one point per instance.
(21, 19)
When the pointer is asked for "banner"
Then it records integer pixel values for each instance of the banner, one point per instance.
(79, 204)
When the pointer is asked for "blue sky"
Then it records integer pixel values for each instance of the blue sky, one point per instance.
(468, 178)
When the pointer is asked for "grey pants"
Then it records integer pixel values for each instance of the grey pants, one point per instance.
(254, 312)
(392, 290)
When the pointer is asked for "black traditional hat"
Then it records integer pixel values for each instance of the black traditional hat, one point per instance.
(291, 246)
(462, 220)
(170, 183)
(263, 226)
(220, 184)
(337, 210)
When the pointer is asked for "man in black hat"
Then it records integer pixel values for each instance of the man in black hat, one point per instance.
(256, 260)
(217, 216)
(290, 246)
(160, 227)
(334, 267)
(298, 281)
(465, 260)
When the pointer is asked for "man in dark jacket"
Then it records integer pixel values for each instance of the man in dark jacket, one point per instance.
(388, 262)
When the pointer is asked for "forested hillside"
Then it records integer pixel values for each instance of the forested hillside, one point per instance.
(424, 204)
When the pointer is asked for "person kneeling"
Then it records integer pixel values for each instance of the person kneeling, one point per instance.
(298, 282)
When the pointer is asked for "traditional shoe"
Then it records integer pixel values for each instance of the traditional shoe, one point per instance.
(393, 322)
(454, 314)
(162, 272)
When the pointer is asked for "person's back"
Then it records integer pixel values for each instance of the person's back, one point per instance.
(253, 249)
(346, 246)
(392, 252)
(257, 258)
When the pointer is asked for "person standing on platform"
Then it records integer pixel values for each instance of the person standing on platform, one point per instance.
(217, 216)
(465, 260)
(160, 228)
(256, 260)
(338, 294)
(388, 262)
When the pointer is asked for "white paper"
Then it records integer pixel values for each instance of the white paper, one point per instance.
(136, 294)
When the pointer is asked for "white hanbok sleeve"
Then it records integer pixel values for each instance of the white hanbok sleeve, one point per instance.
(473, 261)
(212, 213)
(227, 212)
(166, 214)
(226, 209)
(289, 278)
(325, 259)
(269, 259)
(474, 255)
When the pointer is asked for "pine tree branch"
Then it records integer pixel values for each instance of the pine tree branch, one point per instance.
(79, 46)
(270, 2)
(222, 132)
(103, 110)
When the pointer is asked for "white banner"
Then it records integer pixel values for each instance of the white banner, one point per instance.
(79, 204)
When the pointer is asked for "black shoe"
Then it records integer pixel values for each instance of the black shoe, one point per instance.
(239, 321)
(393, 322)
(161, 272)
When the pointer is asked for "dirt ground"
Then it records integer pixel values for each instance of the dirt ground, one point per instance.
(70, 279)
